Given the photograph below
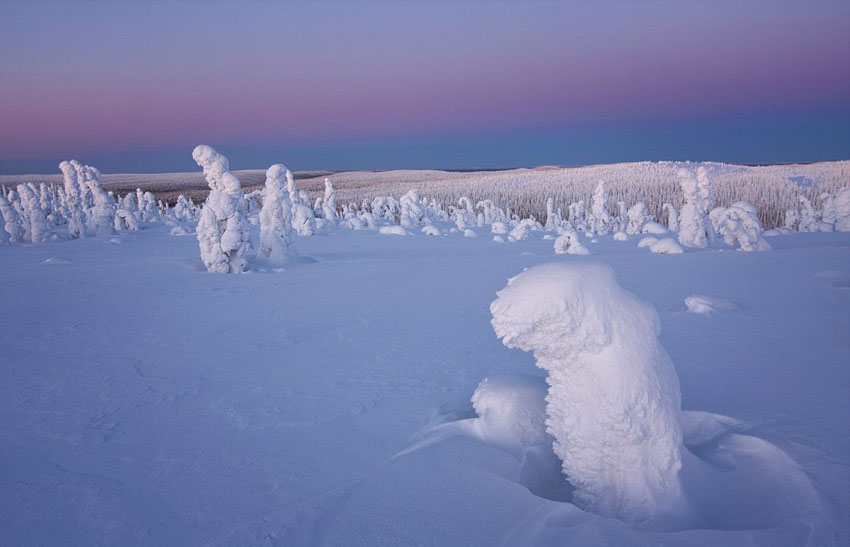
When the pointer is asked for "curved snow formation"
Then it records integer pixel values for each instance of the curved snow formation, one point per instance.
(613, 403)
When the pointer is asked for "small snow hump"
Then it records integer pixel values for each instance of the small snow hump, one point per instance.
(708, 305)
(614, 402)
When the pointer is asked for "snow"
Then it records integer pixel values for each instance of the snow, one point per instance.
(700, 303)
(145, 402)
(613, 403)
(667, 245)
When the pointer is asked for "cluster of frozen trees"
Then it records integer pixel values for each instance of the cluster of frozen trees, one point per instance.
(771, 189)
(80, 207)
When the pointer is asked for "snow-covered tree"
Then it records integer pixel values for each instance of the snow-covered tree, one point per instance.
(74, 212)
(808, 216)
(613, 405)
(637, 216)
(553, 218)
(739, 223)
(223, 231)
(599, 219)
(842, 210)
(12, 221)
(695, 229)
(672, 217)
(101, 215)
(329, 203)
(412, 209)
(36, 229)
(827, 214)
(277, 238)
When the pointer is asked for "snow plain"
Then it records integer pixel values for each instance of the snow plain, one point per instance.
(144, 401)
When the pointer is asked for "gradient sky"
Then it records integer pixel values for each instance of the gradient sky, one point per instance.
(133, 86)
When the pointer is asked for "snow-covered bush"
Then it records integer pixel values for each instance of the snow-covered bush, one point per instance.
(223, 232)
(569, 243)
(740, 224)
(614, 402)
(277, 238)
(522, 229)
(695, 230)
(667, 246)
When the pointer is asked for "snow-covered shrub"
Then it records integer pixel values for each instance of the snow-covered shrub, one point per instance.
(652, 227)
(842, 210)
(621, 236)
(277, 238)
(431, 230)
(647, 241)
(223, 232)
(522, 229)
(740, 224)
(613, 405)
(599, 219)
(637, 216)
(569, 243)
(667, 246)
(695, 230)
(827, 214)
(499, 227)
(578, 215)
(393, 230)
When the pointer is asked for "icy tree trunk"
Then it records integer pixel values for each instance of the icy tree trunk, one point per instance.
(614, 402)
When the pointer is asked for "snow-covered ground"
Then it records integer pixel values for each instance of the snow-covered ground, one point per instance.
(144, 401)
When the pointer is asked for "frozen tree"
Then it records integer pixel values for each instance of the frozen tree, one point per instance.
(599, 218)
(74, 210)
(569, 243)
(12, 221)
(842, 210)
(672, 217)
(553, 218)
(622, 216)
(637, 217)
(303, 218)
(827, 215)
(412, 209)
(329, 202)
(613, 404)
(148, 207)
(223, 232)
(521, 230)
(808, 218)
(277, 239)
(36, 229)
(739, 223)
(183, 210)
(792, 219)
(578, 215)
(695, 229)
(101, 215)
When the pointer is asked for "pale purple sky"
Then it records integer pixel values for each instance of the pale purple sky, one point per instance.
(110, 78)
